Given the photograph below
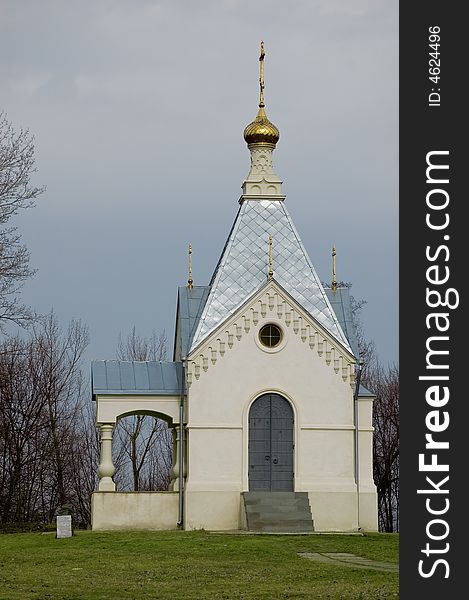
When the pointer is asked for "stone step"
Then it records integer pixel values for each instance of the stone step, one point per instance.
(280, 497)
(264, 493)
(280, 512)
(275, 494)
(294, 526)
(266, 505)
(274, 497)
(299, 527)
(286, 510)
(283, 530)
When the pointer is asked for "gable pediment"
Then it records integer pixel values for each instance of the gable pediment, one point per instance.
(271, 302)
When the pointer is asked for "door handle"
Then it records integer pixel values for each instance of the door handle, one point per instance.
(267, 458)
(275, 461)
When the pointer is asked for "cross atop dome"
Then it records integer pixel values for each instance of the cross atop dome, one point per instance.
(261, 132)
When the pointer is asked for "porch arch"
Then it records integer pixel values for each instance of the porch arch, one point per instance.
(113, 409)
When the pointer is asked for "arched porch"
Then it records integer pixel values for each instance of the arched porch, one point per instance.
(121, 389)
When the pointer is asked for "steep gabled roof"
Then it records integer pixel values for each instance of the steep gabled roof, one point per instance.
(191, 302)
(244, 264)
(341, 303)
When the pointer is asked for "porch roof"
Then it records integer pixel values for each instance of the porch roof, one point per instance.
(121, 377)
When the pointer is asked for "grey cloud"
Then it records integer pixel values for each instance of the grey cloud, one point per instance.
(138, 108)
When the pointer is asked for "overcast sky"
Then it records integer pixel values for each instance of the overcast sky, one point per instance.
(138, 109)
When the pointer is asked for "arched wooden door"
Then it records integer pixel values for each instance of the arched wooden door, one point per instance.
(271, 444)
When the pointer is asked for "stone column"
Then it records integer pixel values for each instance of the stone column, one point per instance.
(106, 468)
(174, 485)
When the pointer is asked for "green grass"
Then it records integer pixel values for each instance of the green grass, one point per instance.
(190, 565)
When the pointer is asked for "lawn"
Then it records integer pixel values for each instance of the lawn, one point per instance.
(191, 565)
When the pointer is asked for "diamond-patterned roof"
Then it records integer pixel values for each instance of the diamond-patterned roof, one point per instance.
(244, 265)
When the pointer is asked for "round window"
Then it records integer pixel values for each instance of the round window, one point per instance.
(270, 335)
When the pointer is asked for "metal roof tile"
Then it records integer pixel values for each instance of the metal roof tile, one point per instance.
(155, 376)
(341, 303)
(190, 305)
(99, 375)
(127, 376)
(113, 378)
(141, 375)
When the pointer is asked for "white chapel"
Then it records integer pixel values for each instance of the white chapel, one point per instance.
(272, 430)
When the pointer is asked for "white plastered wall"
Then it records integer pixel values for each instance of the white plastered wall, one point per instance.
(110, 408)
(134, 510)
(309, 368)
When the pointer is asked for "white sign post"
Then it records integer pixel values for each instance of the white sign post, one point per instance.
(64, 526)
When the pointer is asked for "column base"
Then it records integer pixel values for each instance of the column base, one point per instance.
(106, 485)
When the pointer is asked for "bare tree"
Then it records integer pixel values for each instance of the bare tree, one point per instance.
(135, 347)
(83, 458)
(143, 443)
(46, 447)
(22, 432)
(16, 193)
(58, 357)
(384, 382)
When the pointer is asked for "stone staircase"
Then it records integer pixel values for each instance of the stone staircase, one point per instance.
(278, 512)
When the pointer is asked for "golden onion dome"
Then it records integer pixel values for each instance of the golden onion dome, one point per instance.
(261, 131)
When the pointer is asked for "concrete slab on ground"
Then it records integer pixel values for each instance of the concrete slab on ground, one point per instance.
(350, 560)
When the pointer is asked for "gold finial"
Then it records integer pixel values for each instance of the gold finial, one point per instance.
(334, 274)
(190, 280)
(261, 76)
(271, 272)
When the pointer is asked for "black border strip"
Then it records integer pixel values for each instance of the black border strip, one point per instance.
(428, 127)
